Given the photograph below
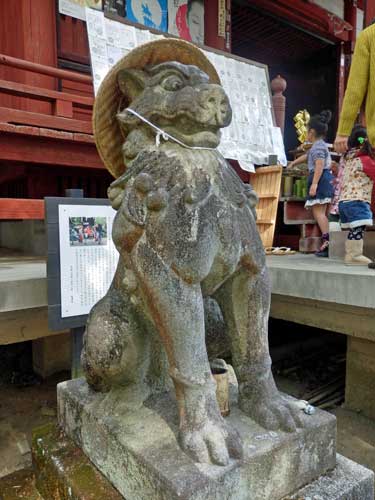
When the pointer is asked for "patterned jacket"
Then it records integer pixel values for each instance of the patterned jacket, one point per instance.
(337, 183)
(358, 177)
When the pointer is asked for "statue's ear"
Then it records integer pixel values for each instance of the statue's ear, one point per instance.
(131, 82)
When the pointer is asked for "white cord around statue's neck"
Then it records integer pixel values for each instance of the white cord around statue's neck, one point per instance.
(160, 133)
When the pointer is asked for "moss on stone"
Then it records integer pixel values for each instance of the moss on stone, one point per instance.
(62, 470)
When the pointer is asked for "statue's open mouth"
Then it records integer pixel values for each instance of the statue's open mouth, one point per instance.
(180, 126)
(190, 131)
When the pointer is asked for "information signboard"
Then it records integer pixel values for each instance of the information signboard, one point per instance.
(82, 258)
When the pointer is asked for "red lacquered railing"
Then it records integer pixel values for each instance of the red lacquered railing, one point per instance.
(36, 111)
(64, 106)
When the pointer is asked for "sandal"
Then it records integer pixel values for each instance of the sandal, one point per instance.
(279, 251)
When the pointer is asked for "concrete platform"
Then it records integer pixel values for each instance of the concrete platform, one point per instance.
(309, 277)
(23, 283)
(23, 298)
(327, 294)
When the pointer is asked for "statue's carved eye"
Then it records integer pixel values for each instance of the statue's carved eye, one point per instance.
(172, 83)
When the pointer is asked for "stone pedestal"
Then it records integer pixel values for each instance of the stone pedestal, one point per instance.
(138, 452)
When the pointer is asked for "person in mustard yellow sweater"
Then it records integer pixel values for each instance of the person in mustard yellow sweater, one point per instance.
(360, 88)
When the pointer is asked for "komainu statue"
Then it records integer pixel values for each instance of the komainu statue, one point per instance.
(186, 233)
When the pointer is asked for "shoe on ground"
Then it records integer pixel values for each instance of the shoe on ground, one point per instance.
(322, 253)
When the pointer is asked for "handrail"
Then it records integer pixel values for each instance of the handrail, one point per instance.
(33, 92)
(14, 62)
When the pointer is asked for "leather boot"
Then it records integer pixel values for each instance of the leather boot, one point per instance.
(354, 253)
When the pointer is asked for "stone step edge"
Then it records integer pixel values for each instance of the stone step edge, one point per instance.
(348, 481)
(19, 484)
(63, 471)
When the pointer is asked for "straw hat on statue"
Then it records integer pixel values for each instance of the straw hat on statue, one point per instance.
(110, 99)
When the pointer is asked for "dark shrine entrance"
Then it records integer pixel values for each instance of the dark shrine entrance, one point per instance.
(308, 62)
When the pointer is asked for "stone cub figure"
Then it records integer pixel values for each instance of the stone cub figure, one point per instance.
(186, 233)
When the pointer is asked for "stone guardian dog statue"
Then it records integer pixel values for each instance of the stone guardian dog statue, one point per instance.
(186, 231)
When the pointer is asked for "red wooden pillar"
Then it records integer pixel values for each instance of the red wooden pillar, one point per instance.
(369, 11)
(345, 51)
(341, 76)
(278, 86)
(217, 24)
(350, 14)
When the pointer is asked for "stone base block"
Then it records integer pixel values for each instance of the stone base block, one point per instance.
(138, 451)
(348, 481)
(63, 472)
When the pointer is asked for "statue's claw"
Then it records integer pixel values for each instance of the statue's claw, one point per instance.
(213, 443)
(268, 407)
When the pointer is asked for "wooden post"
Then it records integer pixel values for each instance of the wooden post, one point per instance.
(51, 354)
(350, 14)
(76, 333)
(369, 12)
(278, 86)
(341, 77)
(217, 27)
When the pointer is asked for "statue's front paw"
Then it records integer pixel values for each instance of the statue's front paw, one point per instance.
(214, 442)
(261, 401)
(274, 414)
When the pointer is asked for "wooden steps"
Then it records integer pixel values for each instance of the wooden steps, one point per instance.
(267, 181)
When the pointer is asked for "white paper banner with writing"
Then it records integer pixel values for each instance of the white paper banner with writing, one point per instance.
(251, 137)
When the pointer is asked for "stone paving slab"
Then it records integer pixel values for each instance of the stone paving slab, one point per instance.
(139, 453)
(348, 481)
